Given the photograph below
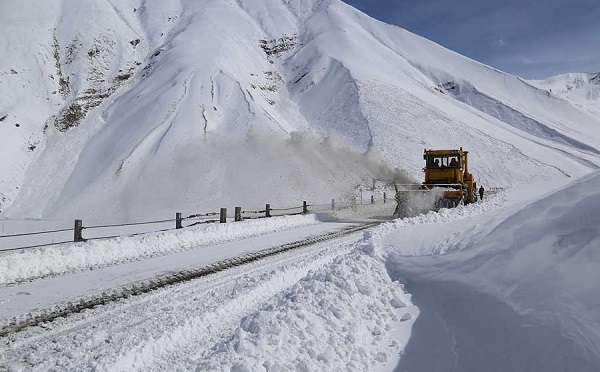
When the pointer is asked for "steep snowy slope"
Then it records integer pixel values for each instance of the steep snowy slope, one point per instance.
(135, 107)
(59, 61)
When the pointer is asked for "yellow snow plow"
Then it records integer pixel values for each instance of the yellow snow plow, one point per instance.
(448, 183)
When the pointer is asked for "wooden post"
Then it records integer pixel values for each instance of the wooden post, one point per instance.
(238, 214)
(223, 216)
(268, 210)
(77, 231)
(333, 204)
(384, 197)
(372, 199)
(178, 220)
(304, 207)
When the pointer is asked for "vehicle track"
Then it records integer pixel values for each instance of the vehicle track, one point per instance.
(35, 319)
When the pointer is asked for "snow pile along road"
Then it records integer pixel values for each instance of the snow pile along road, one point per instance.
(524, 297)
(340, 317)
(55, 260)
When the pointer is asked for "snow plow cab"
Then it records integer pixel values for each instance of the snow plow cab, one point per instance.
(447, 172)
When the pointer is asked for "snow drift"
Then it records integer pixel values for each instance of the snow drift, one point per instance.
(522, 297)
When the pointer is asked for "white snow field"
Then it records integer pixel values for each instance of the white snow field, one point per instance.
(131, 110)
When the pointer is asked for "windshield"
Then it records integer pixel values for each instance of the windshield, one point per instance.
(451, 161)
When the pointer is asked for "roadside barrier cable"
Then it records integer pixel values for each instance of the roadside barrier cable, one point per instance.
(254, 217)
(286, 209)
(194, 216)
(201, 215)
(198, 218)
(34, 246)
(127, 224)
(291, 214)
(201, 223)
(128, 235)
(36, 233)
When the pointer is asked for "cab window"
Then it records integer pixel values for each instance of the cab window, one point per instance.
(434, 161)
(453, 161)
(443, 162)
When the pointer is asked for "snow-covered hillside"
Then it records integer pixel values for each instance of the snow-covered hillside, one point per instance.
(118, 109)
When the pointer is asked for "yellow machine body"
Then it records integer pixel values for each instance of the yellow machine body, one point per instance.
(445, 170)
(449, 169)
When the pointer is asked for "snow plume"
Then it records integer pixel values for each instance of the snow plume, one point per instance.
(247, 171)
(414, 202)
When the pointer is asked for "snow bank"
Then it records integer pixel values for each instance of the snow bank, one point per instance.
(56, 260)
(339, 317)
(445, 215)
(525, 297)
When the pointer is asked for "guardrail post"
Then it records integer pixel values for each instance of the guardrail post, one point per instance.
(223, 216)
(304, 207)
(384, 197)
(238, 214)
(77, 231)
(332, 204)
(268, 210)
(178, 220)
(372, 199)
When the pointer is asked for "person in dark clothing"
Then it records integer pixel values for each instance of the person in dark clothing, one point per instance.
(481, 190)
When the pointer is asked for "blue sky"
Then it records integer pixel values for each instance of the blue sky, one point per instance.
(533, 39)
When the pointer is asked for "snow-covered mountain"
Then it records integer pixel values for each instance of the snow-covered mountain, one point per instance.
(121, 108)
(580, 88)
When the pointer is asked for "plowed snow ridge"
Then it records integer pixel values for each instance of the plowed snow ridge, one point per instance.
(56, 260)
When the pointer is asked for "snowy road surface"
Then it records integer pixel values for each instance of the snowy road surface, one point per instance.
(42, 294)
